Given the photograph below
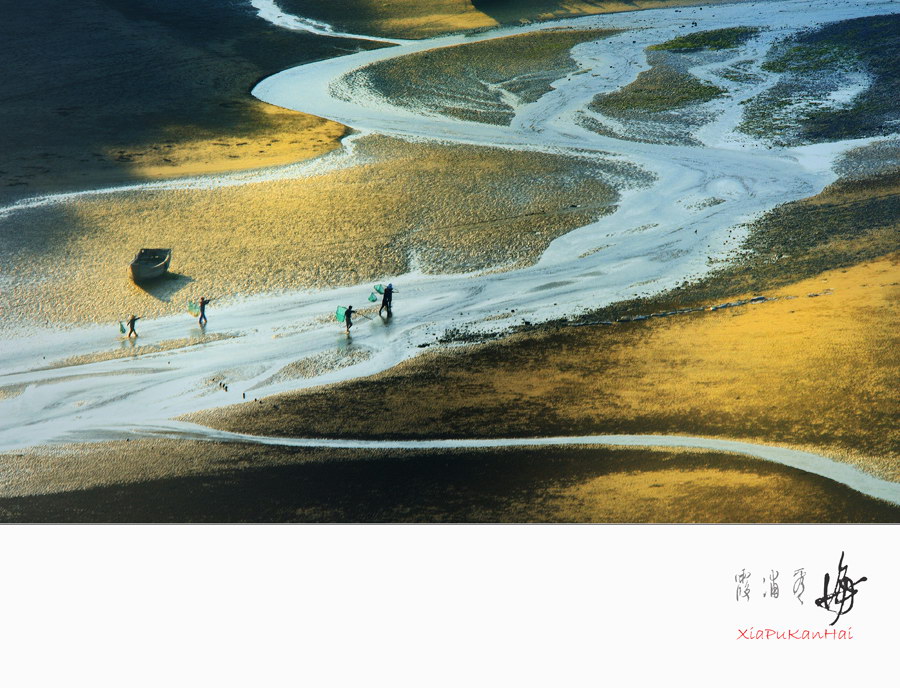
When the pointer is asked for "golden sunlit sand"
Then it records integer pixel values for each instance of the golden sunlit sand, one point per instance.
(811, 367)
(267, 137)
(408, 208)
(119, 92)
(281, 137)
(418, 19)
(477, 81)
(185, 481)
(802, 370)
(674, 493)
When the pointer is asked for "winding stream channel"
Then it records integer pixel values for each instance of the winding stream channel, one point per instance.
(660, 235)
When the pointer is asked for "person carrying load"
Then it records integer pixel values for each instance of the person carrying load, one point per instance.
(130, 322)
(387, 297)
(202, 306)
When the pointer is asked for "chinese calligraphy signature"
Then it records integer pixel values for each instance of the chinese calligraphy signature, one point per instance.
(840, 599)
(799, 585)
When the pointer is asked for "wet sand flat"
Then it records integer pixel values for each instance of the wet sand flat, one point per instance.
(810, 366)
(418, 19)
(813, 368)
(168, 481)
(102, 93)
(437, 208)
(479, 82)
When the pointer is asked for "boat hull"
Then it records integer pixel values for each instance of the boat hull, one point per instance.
(150, 264)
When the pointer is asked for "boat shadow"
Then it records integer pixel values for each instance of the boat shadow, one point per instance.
(164, 288)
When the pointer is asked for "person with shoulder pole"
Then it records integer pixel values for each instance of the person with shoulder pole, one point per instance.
(387, 298)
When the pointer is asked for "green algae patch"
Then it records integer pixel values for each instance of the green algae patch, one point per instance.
(837, 82)
(811, 58)
(718, 39)
(482, 81)
(658, 89)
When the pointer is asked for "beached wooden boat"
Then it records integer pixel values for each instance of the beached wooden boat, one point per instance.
(150, 263)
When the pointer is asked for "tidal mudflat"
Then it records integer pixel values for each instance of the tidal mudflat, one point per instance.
(592, 237)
